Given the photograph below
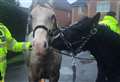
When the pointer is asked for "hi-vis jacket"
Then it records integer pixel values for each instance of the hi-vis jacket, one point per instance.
(112, 23)
(7, 42)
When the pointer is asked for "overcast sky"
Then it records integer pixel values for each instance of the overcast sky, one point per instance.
(27, 3)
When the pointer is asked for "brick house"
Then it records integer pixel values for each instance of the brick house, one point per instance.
(63, 12)
(115, 6)
(62, 9)
(79, 10)
(82, 8)
(92, 6)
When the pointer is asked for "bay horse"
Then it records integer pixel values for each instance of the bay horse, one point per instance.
(43, 61)
(103, 43)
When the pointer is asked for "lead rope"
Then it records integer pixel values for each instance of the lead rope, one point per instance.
(92, 32)
(74, 53)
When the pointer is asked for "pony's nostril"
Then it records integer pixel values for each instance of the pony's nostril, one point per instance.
(45, 45)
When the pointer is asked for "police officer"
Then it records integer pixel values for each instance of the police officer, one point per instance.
(7, 42)
(111, 21)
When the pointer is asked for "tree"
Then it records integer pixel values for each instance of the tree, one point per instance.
(12, 2)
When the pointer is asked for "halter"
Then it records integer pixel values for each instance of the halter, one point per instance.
(39, 27)
(49, 33)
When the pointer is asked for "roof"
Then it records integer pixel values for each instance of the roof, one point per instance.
(62, 4)
(82, 3)
(59, 4)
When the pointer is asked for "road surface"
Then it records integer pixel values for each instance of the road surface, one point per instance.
(86, 70)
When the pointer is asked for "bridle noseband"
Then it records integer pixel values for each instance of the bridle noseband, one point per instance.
(38, 27)
(49, 33)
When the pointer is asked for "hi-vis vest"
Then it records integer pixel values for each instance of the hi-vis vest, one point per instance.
(7, 42)
(112, 23)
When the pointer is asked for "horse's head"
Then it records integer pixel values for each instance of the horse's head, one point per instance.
(84, 26)
(77, 34)
(83, 30)
(43, 23)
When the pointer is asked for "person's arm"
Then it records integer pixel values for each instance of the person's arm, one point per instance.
(18, 46)
(12, 44)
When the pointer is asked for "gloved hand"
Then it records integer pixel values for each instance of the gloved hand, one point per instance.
(30, 47)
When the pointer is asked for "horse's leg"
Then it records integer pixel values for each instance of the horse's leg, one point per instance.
(42, 80)
(33, 73)
(54, 68)
(54, 77)
(30, 77)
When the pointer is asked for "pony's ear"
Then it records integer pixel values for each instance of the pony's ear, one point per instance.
(96, 18)
(54, 22)
(48, 5)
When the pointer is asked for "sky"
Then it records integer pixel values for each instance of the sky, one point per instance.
(27, 3)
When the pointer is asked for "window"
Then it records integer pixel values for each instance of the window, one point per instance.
(80, 11)
(118, 10)
(103, 6)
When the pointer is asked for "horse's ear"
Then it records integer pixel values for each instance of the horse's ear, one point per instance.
(54, 21)
(96, 18)
(48, 5)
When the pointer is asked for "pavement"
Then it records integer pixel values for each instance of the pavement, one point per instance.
(86, 70)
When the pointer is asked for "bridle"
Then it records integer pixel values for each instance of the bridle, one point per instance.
(49, 33)
(39, 27)
(86, 38)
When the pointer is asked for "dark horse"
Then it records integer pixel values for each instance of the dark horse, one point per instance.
(104, 44)
(44, 62)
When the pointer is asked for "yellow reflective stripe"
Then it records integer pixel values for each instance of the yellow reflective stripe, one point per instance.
(3, 51)
(3, 66)
(12, 43)
(5, 29)
(2, 33)
(2, 58)
(3, 80)
(24, 46)
(2, 44)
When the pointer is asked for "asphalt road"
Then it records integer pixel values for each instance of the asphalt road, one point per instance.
(86, 70)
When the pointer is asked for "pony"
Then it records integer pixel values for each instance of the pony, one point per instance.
(103, 43)
(43, 62)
